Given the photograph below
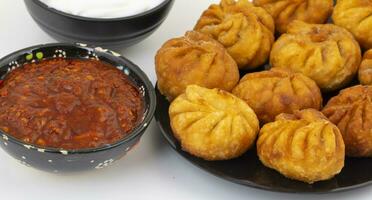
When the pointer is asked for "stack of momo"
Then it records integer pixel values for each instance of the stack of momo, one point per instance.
(217, 114)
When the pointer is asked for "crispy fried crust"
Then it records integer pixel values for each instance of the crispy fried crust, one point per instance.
(351, 111)
(303, 146)
(194, 59)
(286, 11)
(245, 30)
(277, 91)
(365, 70)
(328, 54)
(355, 16)
(213, 124)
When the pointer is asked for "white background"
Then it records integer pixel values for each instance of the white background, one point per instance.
(152, 170)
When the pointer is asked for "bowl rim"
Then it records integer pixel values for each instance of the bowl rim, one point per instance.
(92, 19)
(137, 131)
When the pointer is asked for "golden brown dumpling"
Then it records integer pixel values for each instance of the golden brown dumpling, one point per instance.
(194, 59)
(365, 70)
(304, 146)
(285, 11)
(351, 111)
(213, 124)
(246, 31)
(270, 93)
(355, 16)
(326, 53)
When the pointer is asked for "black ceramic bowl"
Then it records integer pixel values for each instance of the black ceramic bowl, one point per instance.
(116, 32)
(59, 160)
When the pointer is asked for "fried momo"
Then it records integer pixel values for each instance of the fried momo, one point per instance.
(213, 124)
(351, 111)
(365, 70)
(355, 16)
(270, 93)
(194, 59)
(246, 31)
(326, 53)
(303, 146)
(286, 11)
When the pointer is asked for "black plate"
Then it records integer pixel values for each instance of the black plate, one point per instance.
(248, 170)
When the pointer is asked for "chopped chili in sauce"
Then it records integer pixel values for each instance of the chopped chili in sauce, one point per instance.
(69, 104)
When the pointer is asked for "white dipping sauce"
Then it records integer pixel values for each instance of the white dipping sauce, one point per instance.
(103, 8)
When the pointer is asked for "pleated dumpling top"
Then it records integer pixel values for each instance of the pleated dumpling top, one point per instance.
(285, 11)
(326, 53)
(270, 93)
(355, 16)
(196, 59)
(351, 111)
(304, 146)
(213, 124)
(246, 31)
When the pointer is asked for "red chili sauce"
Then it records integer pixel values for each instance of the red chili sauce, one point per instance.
(69, 104)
